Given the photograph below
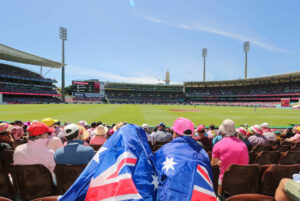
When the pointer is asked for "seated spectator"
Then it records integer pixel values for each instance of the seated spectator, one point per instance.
(84, 135)
(242, 135)
(161, 135)
(92, 128)
(296, 137)
(100, 137)
(200, 137)
(219, 135)
(265, 127)
(53, 141)
(258, 138)
(287, 133)
(17, 132)
(74, 153)
(287, 190)
(211, 133)
(5, 137)
(230, 150)
(146, 129)
(36, 150)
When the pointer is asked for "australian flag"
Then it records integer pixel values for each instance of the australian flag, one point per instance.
(121, 170)
(184, 172)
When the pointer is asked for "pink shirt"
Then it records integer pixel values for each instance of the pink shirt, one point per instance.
(35, 152)
(295, 138)
(98, 140)
(54, 143)
(230, 150)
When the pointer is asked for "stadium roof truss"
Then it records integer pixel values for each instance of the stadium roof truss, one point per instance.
(11, 54)
(275, 79)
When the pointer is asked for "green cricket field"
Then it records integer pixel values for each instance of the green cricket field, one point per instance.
(150, 114)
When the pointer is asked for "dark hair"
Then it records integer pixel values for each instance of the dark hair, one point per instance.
(212, 126)
(155, 129)
(93, 125)
(99, 123)
(72, 136)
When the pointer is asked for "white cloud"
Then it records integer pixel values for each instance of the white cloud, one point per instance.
(209, 29)
(108, 76)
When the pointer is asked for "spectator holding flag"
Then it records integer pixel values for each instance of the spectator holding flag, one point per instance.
(183, 167)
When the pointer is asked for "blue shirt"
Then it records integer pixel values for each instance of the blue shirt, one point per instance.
(217, 139)
(74, 153)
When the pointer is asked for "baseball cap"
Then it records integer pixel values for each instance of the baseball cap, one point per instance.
(145, 126)
(200, 128)
(39, 128)
(49, 121)
(183, 126)
(162, 125)
(70, 129)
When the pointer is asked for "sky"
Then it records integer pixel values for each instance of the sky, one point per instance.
(137, 41)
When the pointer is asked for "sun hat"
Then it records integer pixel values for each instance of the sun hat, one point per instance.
(241, 131)
(118, 125)
(144, 126)
(183, 126)
(70, 129)
(101, 130)
(4, 127)
(228, 127)
(264, 125)
(257, 129)
(49, 121)
(39, 128)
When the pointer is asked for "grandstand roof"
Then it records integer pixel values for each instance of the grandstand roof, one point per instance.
(11, 54)
(273, 79)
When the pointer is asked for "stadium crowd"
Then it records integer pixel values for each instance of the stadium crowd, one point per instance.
(49, 143)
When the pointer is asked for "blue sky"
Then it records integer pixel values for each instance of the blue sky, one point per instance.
(138, 40)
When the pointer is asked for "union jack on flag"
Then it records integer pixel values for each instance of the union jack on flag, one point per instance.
(121, 170)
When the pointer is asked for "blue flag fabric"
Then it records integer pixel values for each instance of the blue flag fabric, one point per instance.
(184, 172)
(120, 170)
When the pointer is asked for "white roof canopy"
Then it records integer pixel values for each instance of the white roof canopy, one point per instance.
(11, 54)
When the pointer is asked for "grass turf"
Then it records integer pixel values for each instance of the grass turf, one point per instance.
(150, 114)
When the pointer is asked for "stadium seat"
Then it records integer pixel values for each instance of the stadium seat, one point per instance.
(273, 174)
(49, 198)
(33, 181)
(295, 147)
(216, 172)
(290, 158)
(6, 188)
(250, 197)
(274, 143)
(260, 148)
(66, 176)
(267, 157)
(96, 147)
(239, 179)
(282, 148)
(252, 157)
(286, 143)
(8, 160)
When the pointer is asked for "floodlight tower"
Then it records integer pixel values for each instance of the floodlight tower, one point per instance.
(246, 50)
(204, 55)
(63, 37)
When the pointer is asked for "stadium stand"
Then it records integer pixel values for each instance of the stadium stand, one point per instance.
(259, 90)
(19, 85)
(144, 93)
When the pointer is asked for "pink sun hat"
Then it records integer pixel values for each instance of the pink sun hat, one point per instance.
(257, 129)
(183, 126)
(242, 131)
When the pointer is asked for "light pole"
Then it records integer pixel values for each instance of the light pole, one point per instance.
(63, 37)
(204, 55)
(246, 50)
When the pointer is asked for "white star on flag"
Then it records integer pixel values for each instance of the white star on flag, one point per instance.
(169, 164)
(155, 181)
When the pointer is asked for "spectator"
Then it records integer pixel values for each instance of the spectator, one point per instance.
(242, 135)
(219, 135)
(288, 189)
(161, 135)
(36, 150)
(17, 132)
(100, 137)
(53, 141)
(229, 150)
(296, 137)
(265, 127)
(5, 137)
(92, 128)
(267, 132)
(204, 141)
(258, 138)
(287, 133)
(211, 133)
(146, 129)
(74, 153)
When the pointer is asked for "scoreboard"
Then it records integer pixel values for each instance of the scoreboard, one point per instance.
(87, 89)
(86, 86)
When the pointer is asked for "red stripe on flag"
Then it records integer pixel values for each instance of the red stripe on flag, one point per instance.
(123, 187)
(199, 196)
(203, 173)
(125, 160)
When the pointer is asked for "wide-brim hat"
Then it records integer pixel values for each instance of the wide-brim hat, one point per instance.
(101, 130)
(228, 127)
(257, 129)
(241, 131)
